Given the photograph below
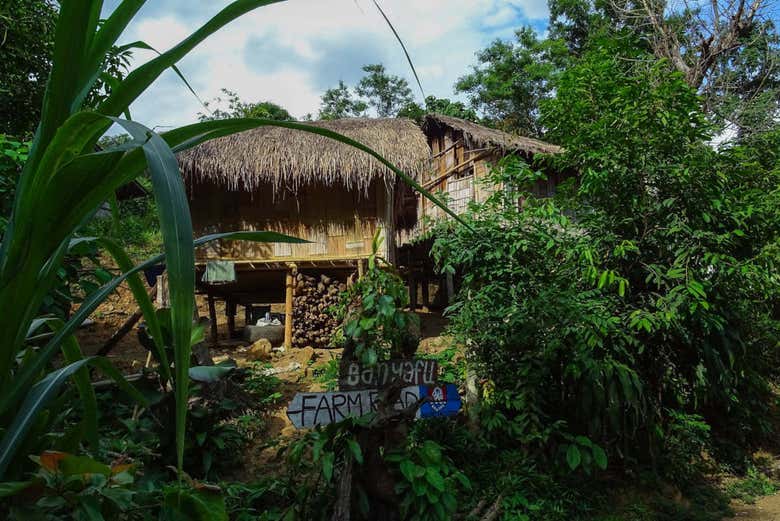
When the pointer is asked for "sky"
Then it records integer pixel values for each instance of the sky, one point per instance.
(290, 52)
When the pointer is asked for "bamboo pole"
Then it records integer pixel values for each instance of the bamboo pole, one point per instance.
(288, 306)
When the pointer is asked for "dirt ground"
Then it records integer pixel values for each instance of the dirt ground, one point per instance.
(765, 509)
(130, 357)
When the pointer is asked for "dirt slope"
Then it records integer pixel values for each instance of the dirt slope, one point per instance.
(765, 509)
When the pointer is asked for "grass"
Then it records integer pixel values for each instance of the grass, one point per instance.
(753, 485)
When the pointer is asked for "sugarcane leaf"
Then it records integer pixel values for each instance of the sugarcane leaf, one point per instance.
(176, 227)
(41, 392)
(137, 81)
(143, 300)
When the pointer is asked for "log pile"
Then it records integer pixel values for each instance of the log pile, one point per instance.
(313, 323)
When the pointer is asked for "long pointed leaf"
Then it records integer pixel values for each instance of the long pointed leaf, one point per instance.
(39, 395)
(140, 79)
(401, 42)
(176, 228)
(30, 370)
(143, 45)
(105, 38)
(72, 353)
(44, 391)
(144, 302)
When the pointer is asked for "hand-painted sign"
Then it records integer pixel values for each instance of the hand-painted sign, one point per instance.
(410, 372)
(310, 409)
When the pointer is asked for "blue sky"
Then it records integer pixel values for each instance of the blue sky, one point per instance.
(289, 53)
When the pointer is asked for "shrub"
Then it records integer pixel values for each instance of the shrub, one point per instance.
(643, 293)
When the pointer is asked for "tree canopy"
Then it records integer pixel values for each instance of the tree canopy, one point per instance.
(237, 108)
(728, 52)
(340, 102)
(26, 47)
(384, 92)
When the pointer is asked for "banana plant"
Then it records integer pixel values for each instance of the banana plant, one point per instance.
(63, 182)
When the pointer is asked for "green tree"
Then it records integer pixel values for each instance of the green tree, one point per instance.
(436, 105)
(236, 108)
(511, 78)
(385, 92)
(729, 52)
(26, 46)
(639, 297)
(339, 102)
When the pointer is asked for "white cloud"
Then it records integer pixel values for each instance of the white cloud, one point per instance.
(290, 52)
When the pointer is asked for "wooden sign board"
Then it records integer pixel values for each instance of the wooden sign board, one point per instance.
(410, 372)
(309, 409)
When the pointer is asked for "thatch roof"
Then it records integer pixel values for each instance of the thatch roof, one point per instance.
(292, 158)
(477, 136)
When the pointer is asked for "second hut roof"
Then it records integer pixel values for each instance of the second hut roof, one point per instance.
(291, 158)
(484, 137)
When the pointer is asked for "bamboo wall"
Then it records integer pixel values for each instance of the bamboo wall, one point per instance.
(339, 223)
(458, 173)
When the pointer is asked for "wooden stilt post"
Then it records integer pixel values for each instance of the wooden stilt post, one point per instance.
(360, 268)
(450, 288)
(248, 314)
(412, 291)
(288, 306)
(213, 318)
(230, 310)
(426, 298)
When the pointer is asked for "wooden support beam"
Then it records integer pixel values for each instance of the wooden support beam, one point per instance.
(213, 318)
(247, 314)
(230, 311)
(119, 334)
(124, 328)
(426, 299)
(288, 306)
(412, 281)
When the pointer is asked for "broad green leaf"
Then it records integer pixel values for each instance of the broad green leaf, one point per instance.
(354, 448)
(209, 373)
(573, 456)
(72, 465)
(432, 452)
(600, 457)
(407, 469)
(11, 488)
(582, 440)
(433, 476)
(327, 465)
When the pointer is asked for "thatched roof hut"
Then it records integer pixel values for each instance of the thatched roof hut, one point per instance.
(476, 136)
(286, 158)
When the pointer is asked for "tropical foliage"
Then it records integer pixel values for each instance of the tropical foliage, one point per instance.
(643, 324)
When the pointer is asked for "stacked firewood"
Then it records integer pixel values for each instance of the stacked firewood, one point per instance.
(313, 322)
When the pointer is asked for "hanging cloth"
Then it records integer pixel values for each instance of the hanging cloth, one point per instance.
(219, 272)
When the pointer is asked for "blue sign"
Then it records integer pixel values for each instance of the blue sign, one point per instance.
(443, 400)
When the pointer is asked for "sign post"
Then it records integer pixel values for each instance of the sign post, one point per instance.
(307, 410)
(411, 372)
